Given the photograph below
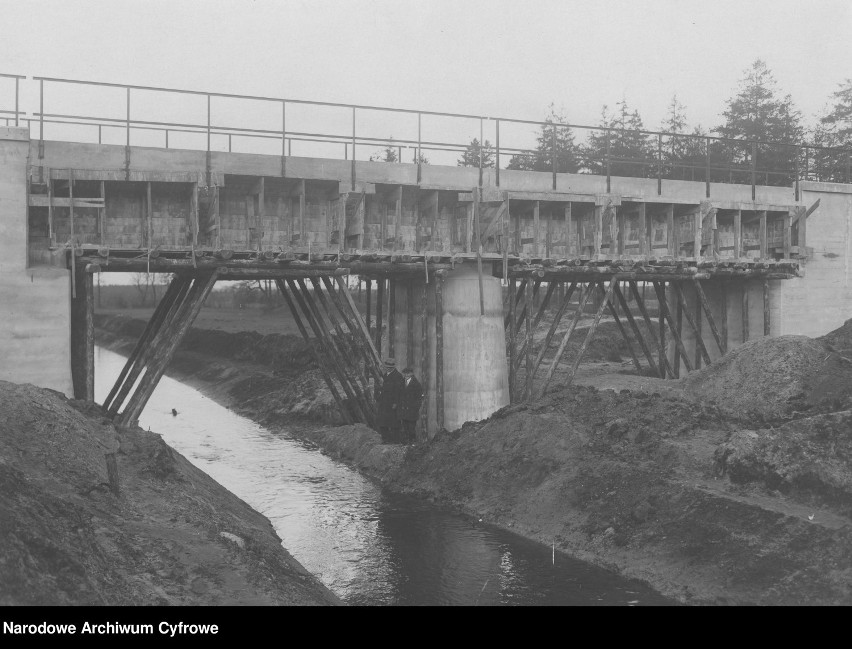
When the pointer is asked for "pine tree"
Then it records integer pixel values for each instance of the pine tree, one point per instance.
(835, 130)
(757, 113)
(470, 156)
(620, 139)
(551, 139)
(387, 154)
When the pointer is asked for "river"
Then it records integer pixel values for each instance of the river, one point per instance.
(368, 546)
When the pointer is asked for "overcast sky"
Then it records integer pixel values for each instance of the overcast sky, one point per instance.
(503, 57)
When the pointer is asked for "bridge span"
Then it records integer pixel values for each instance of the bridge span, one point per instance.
(462, 265)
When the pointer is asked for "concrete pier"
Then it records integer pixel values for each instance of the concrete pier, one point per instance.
(476, 380)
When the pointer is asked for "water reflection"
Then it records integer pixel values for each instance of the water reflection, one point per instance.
(367, 546)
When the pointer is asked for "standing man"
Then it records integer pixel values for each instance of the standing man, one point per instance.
(409, 411)
(388, 397)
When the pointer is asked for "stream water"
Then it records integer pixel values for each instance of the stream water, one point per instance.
(366, 545)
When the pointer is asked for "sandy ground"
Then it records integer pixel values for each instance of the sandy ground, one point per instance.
(710, 490)
(171, 536)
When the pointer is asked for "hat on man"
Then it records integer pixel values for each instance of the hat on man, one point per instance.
(408, 370)
(391, 362)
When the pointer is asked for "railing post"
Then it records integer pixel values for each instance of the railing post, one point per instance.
(497, 158)
(481, 147)
(127, 123)
(353, 147)
(208, 123)
(167, 138)
(607, 162)
(753, 169)
(419, 156)
(16, 100)
(100, 134)
(807, 163)
(283, 139)
(41, 118)
(659, 164)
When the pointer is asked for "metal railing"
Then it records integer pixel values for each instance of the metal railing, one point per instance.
(662, 156)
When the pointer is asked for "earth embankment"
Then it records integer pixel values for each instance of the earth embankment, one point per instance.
(164, 533)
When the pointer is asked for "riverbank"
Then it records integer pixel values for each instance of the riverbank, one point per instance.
(704, 503)
(171, 535)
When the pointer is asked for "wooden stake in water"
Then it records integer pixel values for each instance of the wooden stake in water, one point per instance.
(553, 545)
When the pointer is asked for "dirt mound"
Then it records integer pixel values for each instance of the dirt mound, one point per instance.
(840, 339)
(775, 378)
(171, 536)
(809, 458)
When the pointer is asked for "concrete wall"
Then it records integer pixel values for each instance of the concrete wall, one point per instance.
(821, 300)
(35, 307)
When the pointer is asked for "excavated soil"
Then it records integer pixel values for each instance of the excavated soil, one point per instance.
(171, 536)
(732, 485)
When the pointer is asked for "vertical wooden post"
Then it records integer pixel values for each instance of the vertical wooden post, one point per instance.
(679, 321)
(766, 323)
(397, 219)
(723, 295)
(573, 247)
(598, 229)
(697, 233)
(409, 308)
(512, 298)
(548, 234)
(663, 351)
(439, 349)
(671, 239)
(380, 303)
(149, 215)
(697, 329)
(803, 230)
(644, 248)
(788, 220)
(102, 216)
(528, 340)
(391, 317)
(369, 297)
(738, 234)
(764, 251)
(536, 220)
(424, 359)
(745, 310)
(83, 336)
(50, 230)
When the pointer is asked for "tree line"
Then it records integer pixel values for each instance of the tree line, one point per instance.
(757, 112)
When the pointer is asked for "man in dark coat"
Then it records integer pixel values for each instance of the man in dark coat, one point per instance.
(388, 397)
(409, 409)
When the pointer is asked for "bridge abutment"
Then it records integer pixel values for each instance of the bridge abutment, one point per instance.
(35, 309)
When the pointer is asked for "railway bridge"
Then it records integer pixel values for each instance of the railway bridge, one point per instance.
(462, 265)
